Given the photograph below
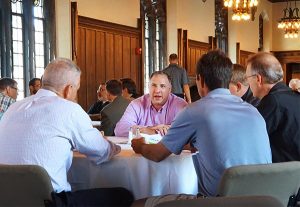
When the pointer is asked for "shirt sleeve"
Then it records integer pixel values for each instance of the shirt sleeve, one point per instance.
(88, 140)
(185, 79)
(182, 131)
(128, 119)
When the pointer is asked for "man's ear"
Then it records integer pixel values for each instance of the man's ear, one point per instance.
(259, 79)
(201, 81)
(238, 86)
(67, 91)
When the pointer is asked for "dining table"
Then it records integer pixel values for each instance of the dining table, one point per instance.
(143, 177)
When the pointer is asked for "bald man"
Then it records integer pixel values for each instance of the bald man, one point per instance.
(279, 106)
(51, 126)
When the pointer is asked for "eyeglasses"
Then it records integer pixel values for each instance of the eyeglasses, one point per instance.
(249, 76)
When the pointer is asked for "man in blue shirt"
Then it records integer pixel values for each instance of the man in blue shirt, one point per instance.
(225, 130)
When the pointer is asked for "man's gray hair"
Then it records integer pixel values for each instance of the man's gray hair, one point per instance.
(239, 75)
(5, 82)
(267, 66)
(59, 73)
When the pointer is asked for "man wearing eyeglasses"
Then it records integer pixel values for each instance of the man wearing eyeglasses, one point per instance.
(94, 110)
(239, 85)
(279, 106)
(8, 94)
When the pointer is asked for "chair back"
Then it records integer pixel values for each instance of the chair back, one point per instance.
(238, 201)
(280, 180)
(24, 185)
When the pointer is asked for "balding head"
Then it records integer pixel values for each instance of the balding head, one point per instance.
(263, 72)
(60, 74)
(267, 66)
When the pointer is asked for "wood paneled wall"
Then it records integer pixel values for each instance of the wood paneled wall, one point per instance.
(195, 50)
(290, 61)
(106, 51)
(189, 51)
(242, 55)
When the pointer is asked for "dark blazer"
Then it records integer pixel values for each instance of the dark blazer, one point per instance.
(281, 111)
(111, 114)
(97, 107)
(248, 97)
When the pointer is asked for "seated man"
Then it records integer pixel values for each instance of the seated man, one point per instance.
(8, 94)
(152, 112)
(113, 112)
(225, 130)
(62, 127)
(100, 103)
(34, 85)
(239, 85)
(279, 106)
(129, 89)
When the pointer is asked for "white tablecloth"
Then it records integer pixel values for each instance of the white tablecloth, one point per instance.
(142, 177)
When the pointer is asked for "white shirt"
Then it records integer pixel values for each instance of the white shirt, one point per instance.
(43, 129)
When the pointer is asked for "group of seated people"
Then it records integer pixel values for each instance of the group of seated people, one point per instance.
(221, 129)
(9, 92)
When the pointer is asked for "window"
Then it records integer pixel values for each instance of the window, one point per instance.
(27, 38)
(153, 13)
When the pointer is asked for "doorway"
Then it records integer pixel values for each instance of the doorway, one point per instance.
(292, 71)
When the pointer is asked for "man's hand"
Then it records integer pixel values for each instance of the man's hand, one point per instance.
(162, 129)
(137, 144)
(148, 130)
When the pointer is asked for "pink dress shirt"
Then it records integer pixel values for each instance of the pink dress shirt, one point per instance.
(141, 112)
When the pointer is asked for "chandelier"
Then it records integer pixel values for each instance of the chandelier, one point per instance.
(290, 22)
(241, 8)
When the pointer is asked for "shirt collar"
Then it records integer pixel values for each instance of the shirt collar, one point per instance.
(44, 92)
(279, 87)
(218, 91)
(163, 107)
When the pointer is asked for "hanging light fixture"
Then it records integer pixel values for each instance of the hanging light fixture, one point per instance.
(290, 22)
(241, 8)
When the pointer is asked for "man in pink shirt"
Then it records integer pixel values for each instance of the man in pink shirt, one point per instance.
(154, 112)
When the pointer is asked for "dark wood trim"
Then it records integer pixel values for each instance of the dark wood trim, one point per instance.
(197, 44)
(141, 26)
(242, 55)
(238, 54)
(277, 1)
(74, 29)
(287, 56)
(213, 42)
(107, 26)
(180, 46)
(185, 48)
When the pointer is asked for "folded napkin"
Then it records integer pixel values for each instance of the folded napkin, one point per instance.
(151, 139)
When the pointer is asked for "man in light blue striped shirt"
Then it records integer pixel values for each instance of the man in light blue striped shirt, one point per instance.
(45, 128)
